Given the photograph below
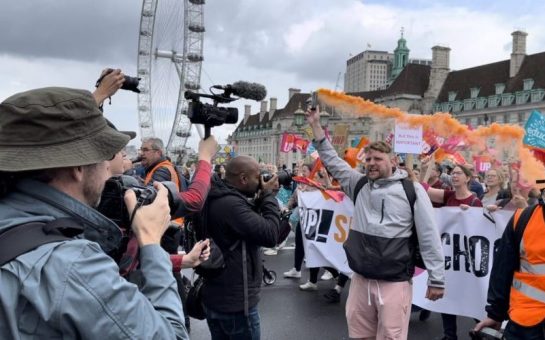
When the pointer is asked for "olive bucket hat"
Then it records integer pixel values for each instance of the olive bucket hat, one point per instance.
(54, 127)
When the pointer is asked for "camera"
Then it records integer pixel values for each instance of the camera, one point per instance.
(112, 201)
(210, 115)
(284, 177)
(130, 83)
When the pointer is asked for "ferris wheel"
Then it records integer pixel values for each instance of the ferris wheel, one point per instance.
(170, 55)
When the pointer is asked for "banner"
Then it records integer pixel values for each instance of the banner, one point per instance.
(535, 131)
(287, 142)
(468, 239)
(325, 225)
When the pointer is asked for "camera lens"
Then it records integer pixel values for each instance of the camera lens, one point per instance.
(131, 84)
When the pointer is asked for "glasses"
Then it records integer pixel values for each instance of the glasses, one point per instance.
(491, 176)
(146, 149)
(457, 173)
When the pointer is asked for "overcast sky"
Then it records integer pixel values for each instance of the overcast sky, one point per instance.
(278, 43)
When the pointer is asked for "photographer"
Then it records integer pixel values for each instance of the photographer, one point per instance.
(55, 147)
(239, 225)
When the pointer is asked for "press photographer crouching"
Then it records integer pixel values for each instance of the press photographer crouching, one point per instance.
(56, 276)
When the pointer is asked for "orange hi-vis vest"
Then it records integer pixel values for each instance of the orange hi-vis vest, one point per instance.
(527, 299)
(173, 177)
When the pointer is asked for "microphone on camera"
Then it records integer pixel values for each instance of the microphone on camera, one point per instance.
(137, 159)
(244, 89)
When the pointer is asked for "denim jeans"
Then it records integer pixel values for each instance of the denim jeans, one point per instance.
(234, 326)
(518, 332)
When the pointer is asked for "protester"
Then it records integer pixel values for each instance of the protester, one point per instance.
(299, 252)
(462, 197)
(380, 296)
(54, 150)
(240, 223)
(516, 289)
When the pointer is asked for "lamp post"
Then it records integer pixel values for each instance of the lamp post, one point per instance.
(299, 117)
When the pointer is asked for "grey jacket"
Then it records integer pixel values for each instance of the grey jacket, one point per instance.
(72, 289)
(382, 215)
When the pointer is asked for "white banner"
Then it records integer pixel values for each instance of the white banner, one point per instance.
(468, 238)
(325, 224)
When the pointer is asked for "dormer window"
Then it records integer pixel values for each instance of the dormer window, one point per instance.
(474, 92)
(499, 88)
(451, 96)
(528, 84)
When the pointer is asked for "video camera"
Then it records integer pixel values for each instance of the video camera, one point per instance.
(284, 177)
(112, 202)
(211, 115)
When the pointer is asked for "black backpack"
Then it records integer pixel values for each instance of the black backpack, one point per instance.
(408, 187)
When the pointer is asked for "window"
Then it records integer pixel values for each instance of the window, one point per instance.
(499, 88)
(528, 84)
(451, 96)
(474, 92)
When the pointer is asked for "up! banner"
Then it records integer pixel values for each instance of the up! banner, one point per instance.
(290, 142)
(468, 238)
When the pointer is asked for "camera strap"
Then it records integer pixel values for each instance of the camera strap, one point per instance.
(29, 236)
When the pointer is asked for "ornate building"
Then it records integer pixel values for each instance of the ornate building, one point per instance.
(504, 92)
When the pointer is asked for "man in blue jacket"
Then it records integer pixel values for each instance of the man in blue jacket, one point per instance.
(55, 147)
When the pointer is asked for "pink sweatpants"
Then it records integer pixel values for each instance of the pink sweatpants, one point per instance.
(378, 309)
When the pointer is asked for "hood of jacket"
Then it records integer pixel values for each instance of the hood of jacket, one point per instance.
(34, 201)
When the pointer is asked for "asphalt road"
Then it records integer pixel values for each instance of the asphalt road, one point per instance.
(289, 313)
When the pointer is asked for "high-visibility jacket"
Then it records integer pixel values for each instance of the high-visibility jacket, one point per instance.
(173, 177)
(164, 164)
(527, 297)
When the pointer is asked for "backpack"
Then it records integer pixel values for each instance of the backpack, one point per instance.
(408, 187)
(29, 236)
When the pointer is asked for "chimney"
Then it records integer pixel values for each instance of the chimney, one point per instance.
(263, 110)
(273, 104)
(247, 112)
(519, 52)
(440, 63)
(292, 91)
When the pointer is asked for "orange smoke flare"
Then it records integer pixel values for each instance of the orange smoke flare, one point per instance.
(444, 125)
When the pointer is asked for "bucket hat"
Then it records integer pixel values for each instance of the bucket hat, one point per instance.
(54, 127)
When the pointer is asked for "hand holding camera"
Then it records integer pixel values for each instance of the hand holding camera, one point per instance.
(150, 221)
(269, 183)
(207, 149)
(107, 85)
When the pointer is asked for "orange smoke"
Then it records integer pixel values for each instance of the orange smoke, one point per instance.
(444, 125)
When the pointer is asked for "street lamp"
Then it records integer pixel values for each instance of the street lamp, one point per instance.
(299, 117)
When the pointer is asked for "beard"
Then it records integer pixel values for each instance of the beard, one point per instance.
(93, 183)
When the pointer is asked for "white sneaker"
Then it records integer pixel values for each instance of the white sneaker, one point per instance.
(326, 276)
(270, 251)
(292, 273)
(308, 286)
